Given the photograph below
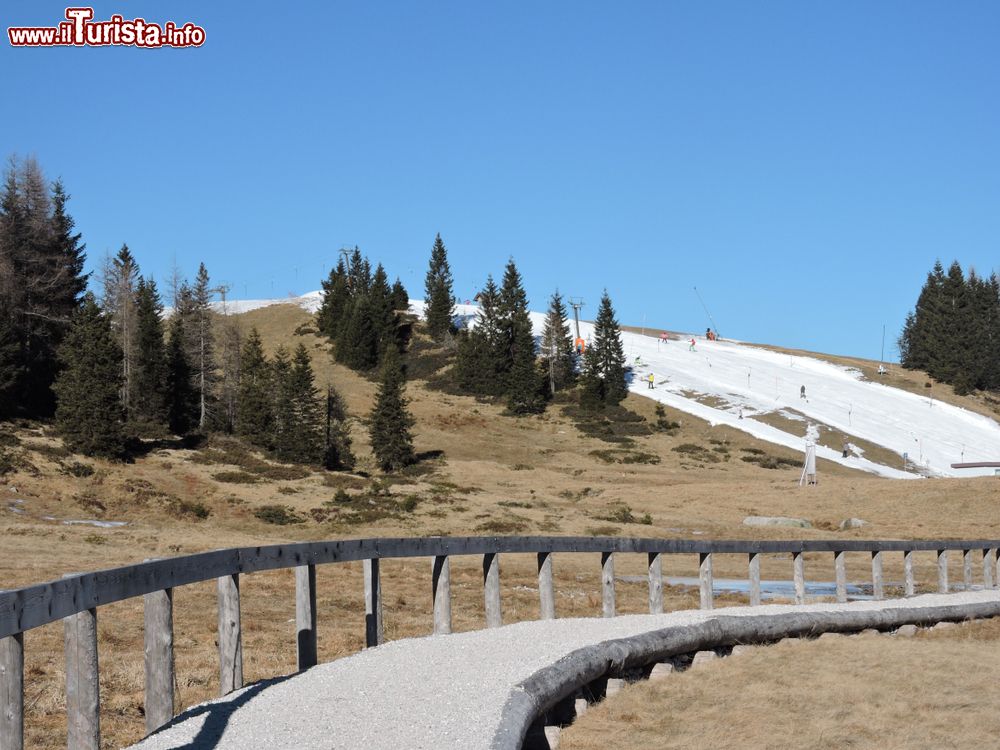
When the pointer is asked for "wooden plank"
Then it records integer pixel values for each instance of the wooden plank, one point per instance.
(12, 692)
(83, 694)
(230, 635)
(491, 590)
(374, 633)
(608, 584)
(989, 563)
(878, 590)
(942, 560)
(305, 616)
(799, 577)
(967, 569)
(546, 587)
(655, 566)
(840, 565)
(754, 576)
(158, 650)
(441, 594)
(909, 586)
(705, 580)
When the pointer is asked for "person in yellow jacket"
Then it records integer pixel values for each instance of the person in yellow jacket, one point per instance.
(649, 379)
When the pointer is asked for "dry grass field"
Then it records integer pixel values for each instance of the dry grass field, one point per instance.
(928, 692)
(481, 473)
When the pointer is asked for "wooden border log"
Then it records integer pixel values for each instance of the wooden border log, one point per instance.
(83, 693)
(546, 587)
(909, 586)
(158, 652)
(878, 589)
(799, 575)
(608, 584)
(753, 564)
(441, 594)
(305, 617)
(655, 570)
(967, 569)
(12, 692)
(374, 633)
(705, 594)
(230, 635)
(491, 590)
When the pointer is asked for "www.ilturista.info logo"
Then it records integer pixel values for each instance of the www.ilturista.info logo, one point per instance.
(80, 30)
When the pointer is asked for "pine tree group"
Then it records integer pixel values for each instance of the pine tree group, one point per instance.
(557, 352)
(41, 285)
(358, 312)
(390, 420)
(953, 333)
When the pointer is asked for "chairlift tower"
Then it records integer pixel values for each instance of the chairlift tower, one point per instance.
(576, 303)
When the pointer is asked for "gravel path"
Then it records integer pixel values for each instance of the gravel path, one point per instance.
(432, 693)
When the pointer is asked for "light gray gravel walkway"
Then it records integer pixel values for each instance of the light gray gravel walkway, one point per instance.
(434, 693)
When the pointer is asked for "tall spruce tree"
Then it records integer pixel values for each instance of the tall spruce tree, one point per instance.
(557, 347)
(182, 398)
(604, 360)
(149, 372)
(284, 408)
(338, 455)
(89, 412)
(120, 281)
(302, 437)
(522, 385)
(400, 297)
(479, 366)
(201, 344)
(336, 301)
(440, 308)
(255, 411)
(383, 311)
(390, 420)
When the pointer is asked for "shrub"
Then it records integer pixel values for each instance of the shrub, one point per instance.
(187, 509)
(236, 477)
(280, 515)
(77, 469)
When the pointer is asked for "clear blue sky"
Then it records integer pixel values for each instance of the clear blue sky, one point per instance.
(803, 164)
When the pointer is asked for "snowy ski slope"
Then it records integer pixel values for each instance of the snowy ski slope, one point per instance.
(721, 381)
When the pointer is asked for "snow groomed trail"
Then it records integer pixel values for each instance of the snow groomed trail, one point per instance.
(446, 692)
(722, 381)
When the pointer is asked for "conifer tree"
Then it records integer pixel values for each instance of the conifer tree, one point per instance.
(357, 346)
(557, 347)
(390, 420)
(89, 413)
(440, 308)
(338, 455)
(302, 435)
(149, 374)
(284, 409)
(336, 301)
(521, 382)
(604, 360)
(230, 341)
(201, 344)
(400, 297)
(121, 279)
(383, 312)
(182, 398)
(479, 364)
(255, 411)
(11, 363)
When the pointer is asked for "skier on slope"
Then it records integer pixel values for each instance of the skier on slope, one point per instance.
(802, 392)
(650, 380)
(691, 345)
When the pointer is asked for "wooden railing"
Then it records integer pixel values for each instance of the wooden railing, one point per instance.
(75, 599)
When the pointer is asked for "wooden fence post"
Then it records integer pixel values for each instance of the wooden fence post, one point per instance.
(655, 583)
(754, 575)
(546, 587)
(705, 579)
(799, 575)
(491, 589)
(608, 584)
(12, 692)
(909, 587)
(990, 563)
(158, 621)
(374, 634)
(840, 569)
(967, 568)
(942, 559)
(230, 635)
(305, 616)
(878, 590)
(83, 695)
(441, 594)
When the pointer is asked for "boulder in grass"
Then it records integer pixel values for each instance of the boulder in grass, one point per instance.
(906, 631)
(852, 523)
(798, 523)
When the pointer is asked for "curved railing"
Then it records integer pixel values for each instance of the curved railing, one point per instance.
(75, 599)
